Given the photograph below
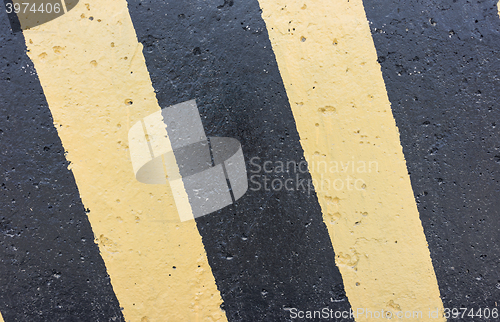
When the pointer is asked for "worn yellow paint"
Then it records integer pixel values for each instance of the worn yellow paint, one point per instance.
(94, 76)
(327, 60)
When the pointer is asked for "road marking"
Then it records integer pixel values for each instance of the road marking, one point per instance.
(93, 73)
(328, 63)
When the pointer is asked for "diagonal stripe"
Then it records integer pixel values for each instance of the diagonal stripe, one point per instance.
(328, 63)
(94, 77)
(46, 240)
(444, 88)
(269, 251)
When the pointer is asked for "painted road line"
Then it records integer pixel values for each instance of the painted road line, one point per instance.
(329, 67)
(270, 250)
(444, 88)
(50, 268)
(93, 74)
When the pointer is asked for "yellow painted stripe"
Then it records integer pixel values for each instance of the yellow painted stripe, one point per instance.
(94, 76)
(1, 317)
(328, 63)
